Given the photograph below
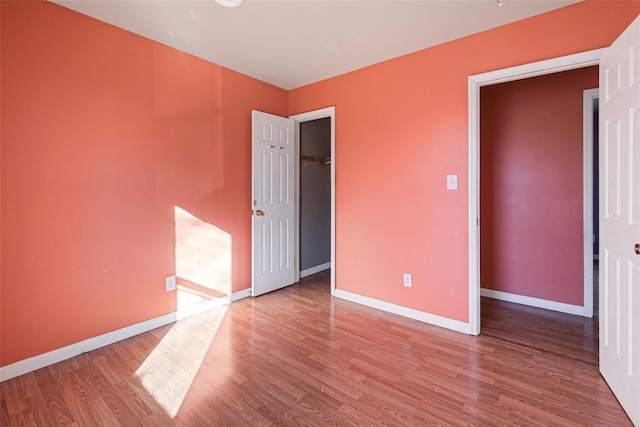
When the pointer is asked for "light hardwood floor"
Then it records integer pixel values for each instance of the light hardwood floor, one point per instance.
(299, 357)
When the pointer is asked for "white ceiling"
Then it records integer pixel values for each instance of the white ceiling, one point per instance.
(294, 43)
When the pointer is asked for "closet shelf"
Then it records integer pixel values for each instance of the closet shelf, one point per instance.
(318, 160)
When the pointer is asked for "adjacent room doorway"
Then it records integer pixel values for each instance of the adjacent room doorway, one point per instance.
(535, 192)
(541, 68)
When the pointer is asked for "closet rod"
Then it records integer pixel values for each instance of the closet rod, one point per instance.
(318, 160)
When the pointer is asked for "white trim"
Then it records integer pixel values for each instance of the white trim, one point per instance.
(432, 319)
(316, 269)
(562, 307)
(588, 98)
(46, 359)
(474, 207)
(305, 117)
(296, 205)
(540, 68)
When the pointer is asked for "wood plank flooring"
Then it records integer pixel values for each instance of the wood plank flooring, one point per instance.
(298, 357)
(562, 334)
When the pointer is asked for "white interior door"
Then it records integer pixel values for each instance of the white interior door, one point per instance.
(620, 219)
(273, 202)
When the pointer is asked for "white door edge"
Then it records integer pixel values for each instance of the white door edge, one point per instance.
(300, 118)
(564, 63)
(588, 99)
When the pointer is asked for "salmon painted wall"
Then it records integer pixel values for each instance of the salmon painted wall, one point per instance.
(123, 161)
(401, 127)
(531, 202)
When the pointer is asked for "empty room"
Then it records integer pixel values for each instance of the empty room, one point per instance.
(255, 212)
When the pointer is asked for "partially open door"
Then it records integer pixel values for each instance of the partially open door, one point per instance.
(273, 202)
(620, 219)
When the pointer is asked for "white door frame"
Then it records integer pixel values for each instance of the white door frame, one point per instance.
(565, 63)
(300, 118)
(588, 99)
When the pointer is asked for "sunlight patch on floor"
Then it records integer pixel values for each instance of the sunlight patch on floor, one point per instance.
(170, 369)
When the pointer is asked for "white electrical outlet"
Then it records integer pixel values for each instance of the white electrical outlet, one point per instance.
(170, 283)
(408, 280)
(452, 182)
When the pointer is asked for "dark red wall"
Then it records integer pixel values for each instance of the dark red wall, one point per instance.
(531, 149)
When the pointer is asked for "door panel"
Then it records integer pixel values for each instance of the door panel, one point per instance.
(273, 207)
(620, 224)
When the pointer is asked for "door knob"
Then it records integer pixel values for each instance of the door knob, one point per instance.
(637, 248)
(259, 213)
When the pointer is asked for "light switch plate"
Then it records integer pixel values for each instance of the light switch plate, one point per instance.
(452, 182)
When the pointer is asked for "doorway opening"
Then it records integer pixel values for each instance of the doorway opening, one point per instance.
(315, 196)
(475, 83)
(533, 188)
(315, 193)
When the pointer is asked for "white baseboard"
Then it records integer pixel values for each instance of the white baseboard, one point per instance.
(208, 305)
(432, 319)
(42, 360)
(314, 270)
(562, 307)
